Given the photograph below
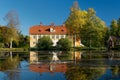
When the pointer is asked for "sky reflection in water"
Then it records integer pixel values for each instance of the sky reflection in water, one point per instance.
(80, 65)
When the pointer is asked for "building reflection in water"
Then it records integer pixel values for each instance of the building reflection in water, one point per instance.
(33, 57)
(54, 65)
(76, 56)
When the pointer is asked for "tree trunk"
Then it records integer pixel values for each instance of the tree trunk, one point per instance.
(75, 40)
(11, 43)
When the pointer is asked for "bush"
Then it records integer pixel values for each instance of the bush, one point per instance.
(64, 44)
(44, 43)
(1, 45)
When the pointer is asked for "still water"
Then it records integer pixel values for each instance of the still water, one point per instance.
(59, 65)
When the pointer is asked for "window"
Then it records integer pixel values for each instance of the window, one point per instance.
(57, 36)
(53, 36)
(34, 42)
(34, 36)
(62, 30)
(39, 30)
(39, 36)
(62, 36)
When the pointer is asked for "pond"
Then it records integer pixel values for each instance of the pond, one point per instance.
(59, 65)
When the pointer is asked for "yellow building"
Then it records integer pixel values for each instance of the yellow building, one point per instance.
(54, 32)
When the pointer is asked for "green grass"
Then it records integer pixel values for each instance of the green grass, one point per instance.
(13, 49)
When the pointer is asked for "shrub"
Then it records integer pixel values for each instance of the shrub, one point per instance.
(44, 43)
(1, 45)
(64, 44)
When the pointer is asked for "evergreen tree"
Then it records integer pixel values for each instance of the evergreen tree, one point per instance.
(113, 28)
(118, 30)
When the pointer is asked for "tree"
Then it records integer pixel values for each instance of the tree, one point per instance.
(118, 30)
(1, 39)
(95, 28)
(44, 43)
(76, 19)
(88, 27)
(113, 28)
(64, 44)
(23, 41)
(13, 27)
(107, 35)
(5, 32)
(93, 32)
(81, 73)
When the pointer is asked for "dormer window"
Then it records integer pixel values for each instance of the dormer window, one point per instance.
(39, 30)
(52, 30)
(62, 30)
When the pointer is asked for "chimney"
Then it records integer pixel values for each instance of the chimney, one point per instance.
(63, 25)
(41, 24)
(52, 24)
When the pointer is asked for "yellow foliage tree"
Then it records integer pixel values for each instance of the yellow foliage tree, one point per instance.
(76, 20)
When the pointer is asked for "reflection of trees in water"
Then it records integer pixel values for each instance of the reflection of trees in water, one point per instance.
(65, 55)
(80, 73)
(92, 59)
(113, 54)
(92, 55)
(9, 63)
(22, 55)
(62, 55)
(44, 55)
(13, 75)
(115, 70)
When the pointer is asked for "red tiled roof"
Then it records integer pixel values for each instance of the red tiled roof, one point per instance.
(46, 30)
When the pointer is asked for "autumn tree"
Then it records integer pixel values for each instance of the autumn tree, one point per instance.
(76, 19)
(1, 39)
(87, 26)
(81, 73)
(13, 27)
(4, 33)
(93, 32)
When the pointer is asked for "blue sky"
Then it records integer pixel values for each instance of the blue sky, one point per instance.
(32, 12)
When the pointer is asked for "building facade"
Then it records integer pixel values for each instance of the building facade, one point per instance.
(54, 32)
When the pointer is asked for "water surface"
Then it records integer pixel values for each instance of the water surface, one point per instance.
(58, 65)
